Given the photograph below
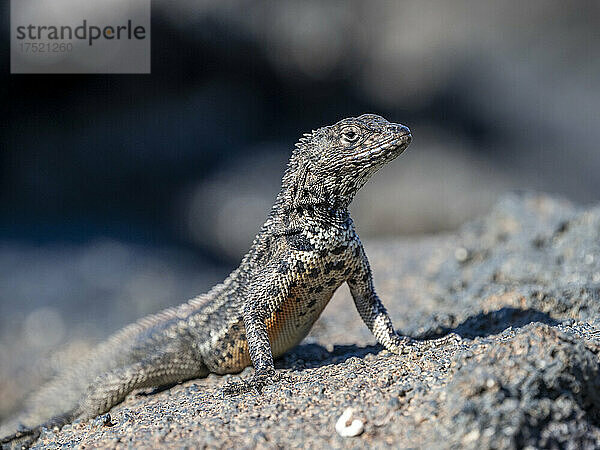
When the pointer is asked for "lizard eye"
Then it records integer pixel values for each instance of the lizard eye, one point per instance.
(350, 135)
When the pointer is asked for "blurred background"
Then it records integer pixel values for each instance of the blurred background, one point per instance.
(123, 194)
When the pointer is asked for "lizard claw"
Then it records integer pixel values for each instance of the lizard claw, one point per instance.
(450, 338)
(234, 388)
(410, 345)
(255, 384)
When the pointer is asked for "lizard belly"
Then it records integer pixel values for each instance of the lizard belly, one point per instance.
(286, 327)
(312, 283)
(316, 279)
(292, 321)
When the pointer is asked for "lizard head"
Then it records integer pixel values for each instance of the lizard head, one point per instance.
(332, 163)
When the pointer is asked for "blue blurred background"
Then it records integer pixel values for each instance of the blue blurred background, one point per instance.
(123, 194)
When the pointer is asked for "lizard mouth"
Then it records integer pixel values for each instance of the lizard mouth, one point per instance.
(395, 144)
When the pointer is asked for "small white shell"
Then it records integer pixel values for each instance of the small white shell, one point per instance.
(346, 426)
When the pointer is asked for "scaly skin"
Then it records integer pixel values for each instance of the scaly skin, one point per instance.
(305, 250)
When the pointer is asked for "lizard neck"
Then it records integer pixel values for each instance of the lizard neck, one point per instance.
(306, 199)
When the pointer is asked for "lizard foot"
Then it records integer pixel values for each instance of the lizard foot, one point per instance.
(409, 345)
(450, 338)
(255, 384)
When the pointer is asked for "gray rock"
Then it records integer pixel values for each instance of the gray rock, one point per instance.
(521, 287)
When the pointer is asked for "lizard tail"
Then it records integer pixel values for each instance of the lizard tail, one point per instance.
(101, 380)
(56, 402)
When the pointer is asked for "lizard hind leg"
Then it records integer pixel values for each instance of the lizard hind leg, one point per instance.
(158, 370)
(112, 387)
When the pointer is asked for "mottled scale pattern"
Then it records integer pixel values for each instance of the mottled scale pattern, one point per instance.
(310, 291)
(306, 249)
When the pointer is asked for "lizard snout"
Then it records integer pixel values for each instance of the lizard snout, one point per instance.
(399, 129)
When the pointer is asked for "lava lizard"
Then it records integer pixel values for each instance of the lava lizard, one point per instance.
(305, 250)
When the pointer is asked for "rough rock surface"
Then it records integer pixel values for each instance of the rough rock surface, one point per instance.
(521, 287)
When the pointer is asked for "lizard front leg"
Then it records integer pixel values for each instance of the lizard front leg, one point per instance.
(376, 317)
(372, 311)
(264, 295)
